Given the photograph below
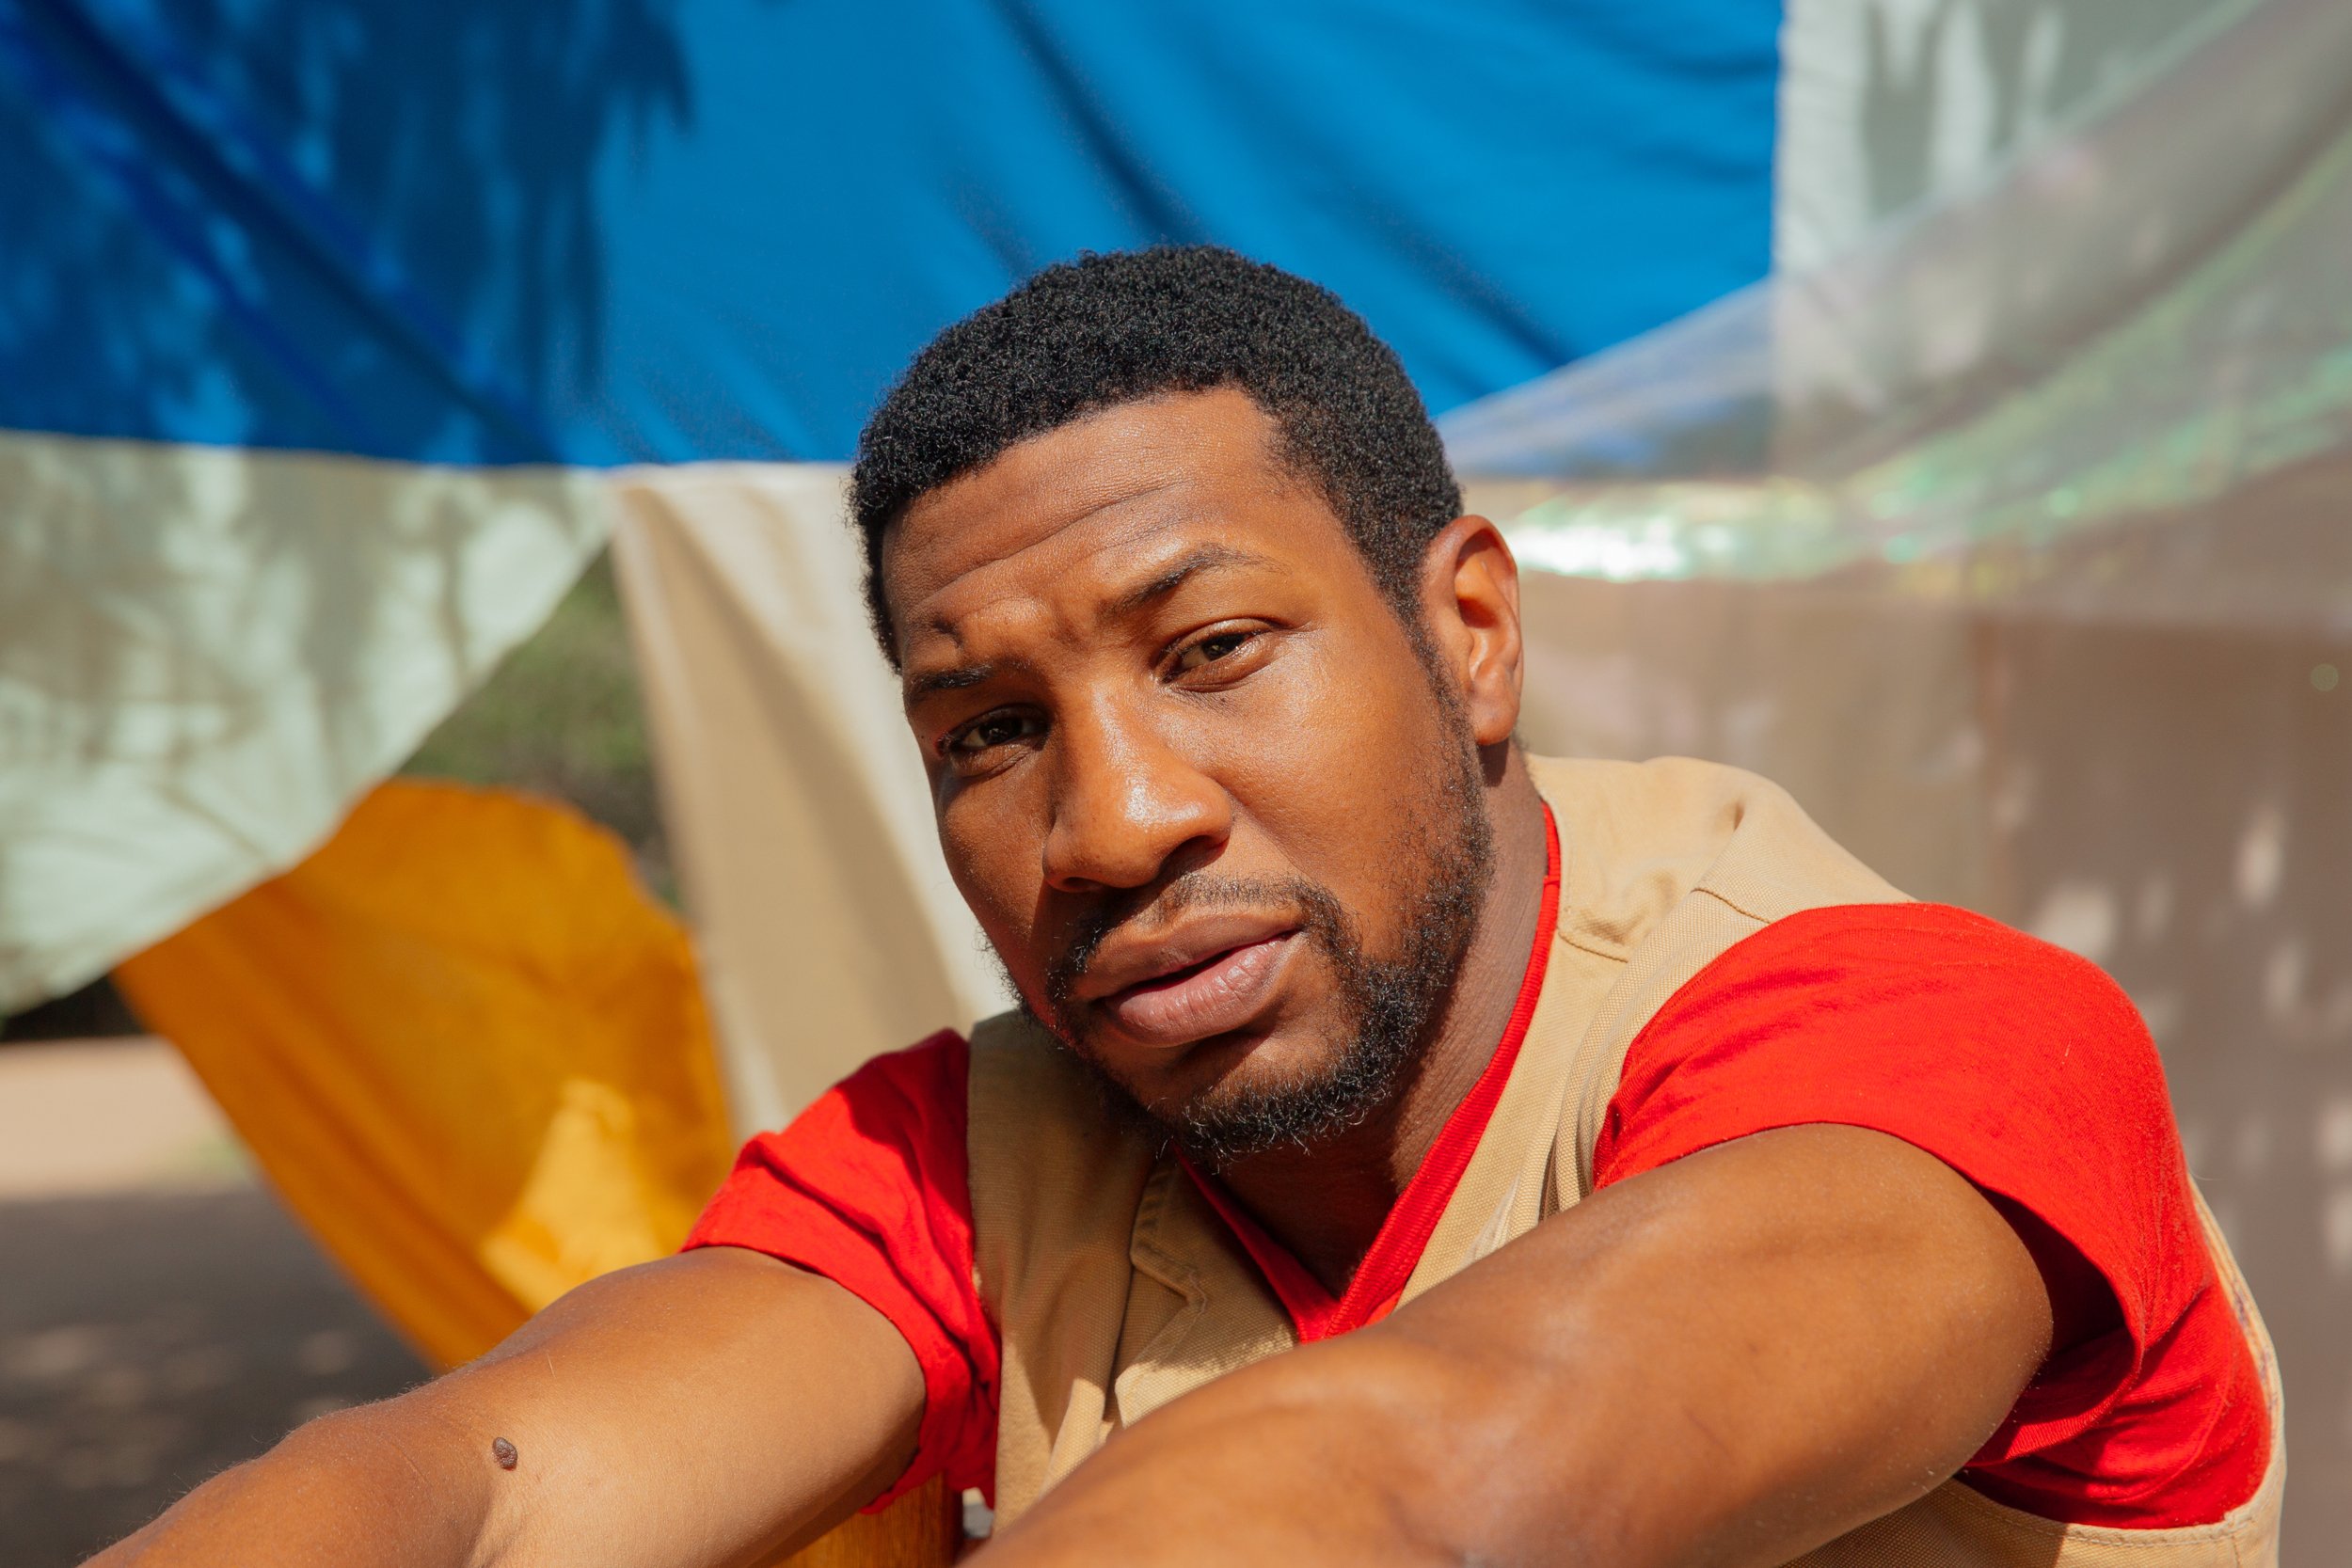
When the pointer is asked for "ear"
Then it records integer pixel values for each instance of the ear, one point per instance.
(1470, 604)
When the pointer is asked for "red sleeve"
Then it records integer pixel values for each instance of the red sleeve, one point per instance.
(2027, 1070)
(868, 1187)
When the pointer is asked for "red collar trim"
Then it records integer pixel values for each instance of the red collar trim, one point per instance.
(1380, 1280)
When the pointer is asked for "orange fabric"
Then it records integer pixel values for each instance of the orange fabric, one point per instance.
(467, 1049)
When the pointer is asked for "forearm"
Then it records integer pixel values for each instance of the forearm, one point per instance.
(376, 1487)
(1393, 1448)
(700, 1412)
(1367, 1451)
(1749, 1354)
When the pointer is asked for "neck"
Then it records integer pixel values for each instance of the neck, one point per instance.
(1326, 1203)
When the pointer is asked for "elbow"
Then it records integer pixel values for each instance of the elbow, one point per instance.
(1486, 1452)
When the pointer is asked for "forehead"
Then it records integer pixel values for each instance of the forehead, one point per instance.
(1082, 508)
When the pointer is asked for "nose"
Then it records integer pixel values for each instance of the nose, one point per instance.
(1125, 802)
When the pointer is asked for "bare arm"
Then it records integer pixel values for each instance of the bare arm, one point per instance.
(1725, 1361)
(703, 1410)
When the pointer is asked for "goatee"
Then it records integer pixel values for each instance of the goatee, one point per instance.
(1390, 1006)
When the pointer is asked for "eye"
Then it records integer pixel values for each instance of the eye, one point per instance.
(1209, 649)
(988, 732)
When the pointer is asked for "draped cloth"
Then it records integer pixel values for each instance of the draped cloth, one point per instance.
(468, 1051)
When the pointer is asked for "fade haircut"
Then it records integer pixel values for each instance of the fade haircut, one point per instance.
(1105, 329)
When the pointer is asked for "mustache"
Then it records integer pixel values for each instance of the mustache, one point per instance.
(1318, 909)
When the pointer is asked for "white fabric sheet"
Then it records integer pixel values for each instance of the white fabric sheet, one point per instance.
(206, 654)
(799, 818)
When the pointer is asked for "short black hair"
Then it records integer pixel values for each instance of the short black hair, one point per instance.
(1111, 328)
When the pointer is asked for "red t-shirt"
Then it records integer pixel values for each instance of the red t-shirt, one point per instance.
(2020, 1066)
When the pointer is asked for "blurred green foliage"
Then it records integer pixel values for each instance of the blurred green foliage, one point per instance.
(562, 717)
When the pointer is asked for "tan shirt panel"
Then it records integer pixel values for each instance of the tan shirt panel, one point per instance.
(1057, 1180)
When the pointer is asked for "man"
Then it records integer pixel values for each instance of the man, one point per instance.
(1405, 1151)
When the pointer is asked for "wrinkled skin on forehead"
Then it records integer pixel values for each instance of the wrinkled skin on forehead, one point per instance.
(1169, 720)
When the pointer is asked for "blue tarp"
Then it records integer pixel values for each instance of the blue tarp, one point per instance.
(597, 231)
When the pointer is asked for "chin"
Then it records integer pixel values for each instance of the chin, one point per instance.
(1227, 1072)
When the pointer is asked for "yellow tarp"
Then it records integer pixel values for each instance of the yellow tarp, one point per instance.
(467, 1050)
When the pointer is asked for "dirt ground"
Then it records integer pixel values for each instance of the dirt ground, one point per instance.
(160, 1315)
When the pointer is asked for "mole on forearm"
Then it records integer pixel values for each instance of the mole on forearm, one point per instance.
(504, 1452)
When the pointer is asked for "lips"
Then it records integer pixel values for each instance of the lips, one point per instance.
(1207, 980)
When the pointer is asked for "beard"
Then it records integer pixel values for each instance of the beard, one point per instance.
(1389, 1005)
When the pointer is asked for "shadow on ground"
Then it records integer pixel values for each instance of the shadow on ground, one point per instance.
(147, 1340)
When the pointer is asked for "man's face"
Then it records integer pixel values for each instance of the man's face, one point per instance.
(1219, 817)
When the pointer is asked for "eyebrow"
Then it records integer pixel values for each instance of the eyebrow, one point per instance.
(956, 679)
(1202, 557)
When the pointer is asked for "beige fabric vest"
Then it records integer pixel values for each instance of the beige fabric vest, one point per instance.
(1115, 1288)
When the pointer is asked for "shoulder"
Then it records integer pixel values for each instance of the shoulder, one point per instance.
(1638, 839)
(1902, 964)
(886, 1140)
(924, 1076)
(1881, 975)
(2020, 1064)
